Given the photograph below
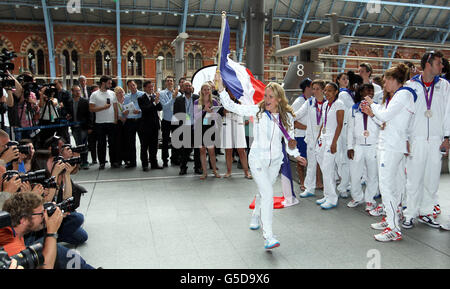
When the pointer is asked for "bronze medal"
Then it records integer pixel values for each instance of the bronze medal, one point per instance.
(366, 133)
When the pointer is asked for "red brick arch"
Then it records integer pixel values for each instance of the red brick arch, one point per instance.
(64, 43)
(158, 47)
(6, 42)
(27, 41)
(188, 47)
(94, 46)
(130, 42)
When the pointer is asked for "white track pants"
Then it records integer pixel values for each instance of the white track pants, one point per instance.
(389, 165)
(327, 162)
(265, 178)
(311, 169)
(343, 163)
(365, 156)
(423, 166)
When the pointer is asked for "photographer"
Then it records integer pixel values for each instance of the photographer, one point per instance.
(28, 215)
(80, 113)
(49, 106)
(23, 107)
(71, 231)
(65, 108)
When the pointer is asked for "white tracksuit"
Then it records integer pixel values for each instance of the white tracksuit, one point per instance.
(296, 105)
(342, 160)
(326, 159)
(365, 154)
(307, 113)
(423, 165)
(391, 149)
(265, 157)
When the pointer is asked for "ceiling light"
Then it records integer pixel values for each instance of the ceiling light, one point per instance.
(142, 12)
(92, 9)
(175, 14)
(159, 13)
(109, 10)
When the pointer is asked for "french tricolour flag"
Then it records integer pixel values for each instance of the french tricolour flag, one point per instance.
(238, 79)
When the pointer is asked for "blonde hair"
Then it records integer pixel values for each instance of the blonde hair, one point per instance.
(118, 89)
(283, 104)
(200, 99)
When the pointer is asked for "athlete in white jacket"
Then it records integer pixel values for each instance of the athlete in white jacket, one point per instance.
(362, 141)
(266, 155)
(426, 137)
(328, 144)
(311, 114)
(395, 114)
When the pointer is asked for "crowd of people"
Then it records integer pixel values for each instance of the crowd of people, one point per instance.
(352, 137)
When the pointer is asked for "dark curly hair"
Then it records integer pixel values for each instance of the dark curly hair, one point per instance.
(21, 205)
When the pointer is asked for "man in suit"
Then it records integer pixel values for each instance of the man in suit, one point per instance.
(184, 104)
(79, 112)
(149, 126)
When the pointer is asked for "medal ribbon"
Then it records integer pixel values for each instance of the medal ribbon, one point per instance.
(280, 125)
(425, 91)
(318, 113)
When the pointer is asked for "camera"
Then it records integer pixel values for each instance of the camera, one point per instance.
(72, 161)
(30, 258)
(32, 177)
(49, 183)
(6, 65)
(23, 149)
(65, 206)
(80, 149)
(51, 90)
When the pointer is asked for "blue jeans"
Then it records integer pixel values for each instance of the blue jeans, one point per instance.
(65, 257)
(70, 230)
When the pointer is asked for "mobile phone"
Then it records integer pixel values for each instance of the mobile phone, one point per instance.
(108, 101)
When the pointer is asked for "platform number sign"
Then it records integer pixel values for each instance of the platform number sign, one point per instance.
(300, 70)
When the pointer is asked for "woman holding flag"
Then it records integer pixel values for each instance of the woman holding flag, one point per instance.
(274, 120)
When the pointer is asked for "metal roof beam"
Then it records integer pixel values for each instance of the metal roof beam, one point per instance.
(184, 19)
(50, 39)
(355, 28)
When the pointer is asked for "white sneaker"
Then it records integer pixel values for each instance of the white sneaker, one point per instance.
(408, 223)
(306, 194)
(271, 243)
(378, 211)
(328, 205)
(370, 206)
(388, 235)
(254, 222)
(344, 195)
(380, 225)
(353, 203)
(428, 220)
(321, 201)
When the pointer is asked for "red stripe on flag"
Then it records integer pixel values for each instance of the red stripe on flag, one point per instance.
(258, 86)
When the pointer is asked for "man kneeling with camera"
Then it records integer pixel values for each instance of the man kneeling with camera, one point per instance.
(29, 214)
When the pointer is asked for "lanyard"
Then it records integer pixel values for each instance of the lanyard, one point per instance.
(318, 112)
(425, 92)
(280, 125)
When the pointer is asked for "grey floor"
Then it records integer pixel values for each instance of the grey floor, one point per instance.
(158, 219)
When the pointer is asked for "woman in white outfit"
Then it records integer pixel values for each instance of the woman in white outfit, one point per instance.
(395, 113)
(233, 137)
(311, 113)
(346, 96)
(266, 156)
(362, 141)
(328, 144)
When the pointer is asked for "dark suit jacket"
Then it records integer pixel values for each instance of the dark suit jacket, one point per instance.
(150, 119)
(180, 103)
(83, 114)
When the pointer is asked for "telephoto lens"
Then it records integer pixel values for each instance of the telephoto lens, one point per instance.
(80, 149)
(30, 258)
(65, 206)
(33, 177)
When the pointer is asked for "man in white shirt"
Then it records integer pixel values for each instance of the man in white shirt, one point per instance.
(103, 103)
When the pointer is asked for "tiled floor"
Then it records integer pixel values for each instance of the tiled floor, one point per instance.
(158, 219)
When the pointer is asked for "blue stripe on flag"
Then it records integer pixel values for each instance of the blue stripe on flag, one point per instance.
(228, 74)
(286, 167)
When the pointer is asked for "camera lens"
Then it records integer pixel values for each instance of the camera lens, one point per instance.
(31, 257)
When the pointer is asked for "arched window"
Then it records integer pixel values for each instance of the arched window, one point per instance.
(198, 61)
(190, 61)
(130, 63)
(107, 63)
(169, 61)
(98, 63)
(167, 64)
(36, 61)
(103, 60)
(70, 62)
(139, 63)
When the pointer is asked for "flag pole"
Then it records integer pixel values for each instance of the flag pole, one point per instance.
(222, 31)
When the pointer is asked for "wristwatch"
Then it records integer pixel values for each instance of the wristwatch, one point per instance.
(54, 235)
